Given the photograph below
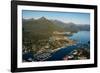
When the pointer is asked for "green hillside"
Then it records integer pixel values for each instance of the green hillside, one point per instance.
(35, 30)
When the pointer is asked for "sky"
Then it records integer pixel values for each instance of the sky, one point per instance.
(67, 17)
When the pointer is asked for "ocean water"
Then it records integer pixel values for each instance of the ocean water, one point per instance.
(80, 37)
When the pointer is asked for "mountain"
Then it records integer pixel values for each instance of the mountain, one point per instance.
(42, 24)
(84, 27)
(42, 28)
(46, 26)
(71, 26)
(59, 23)
(42, 18)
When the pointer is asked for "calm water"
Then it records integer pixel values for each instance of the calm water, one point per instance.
(81, 37)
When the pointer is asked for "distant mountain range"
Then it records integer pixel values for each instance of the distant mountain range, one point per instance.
(40, 25)
(43, 24)
(71, 26)
(43, 28)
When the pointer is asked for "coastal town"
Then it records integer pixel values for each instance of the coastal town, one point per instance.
(44, 48)
(51, 45)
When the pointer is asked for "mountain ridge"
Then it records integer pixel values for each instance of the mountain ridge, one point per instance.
(46, 24)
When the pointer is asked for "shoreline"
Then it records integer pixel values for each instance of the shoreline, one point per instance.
(65, 38)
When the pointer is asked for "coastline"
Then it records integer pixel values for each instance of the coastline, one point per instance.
(65, 46)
